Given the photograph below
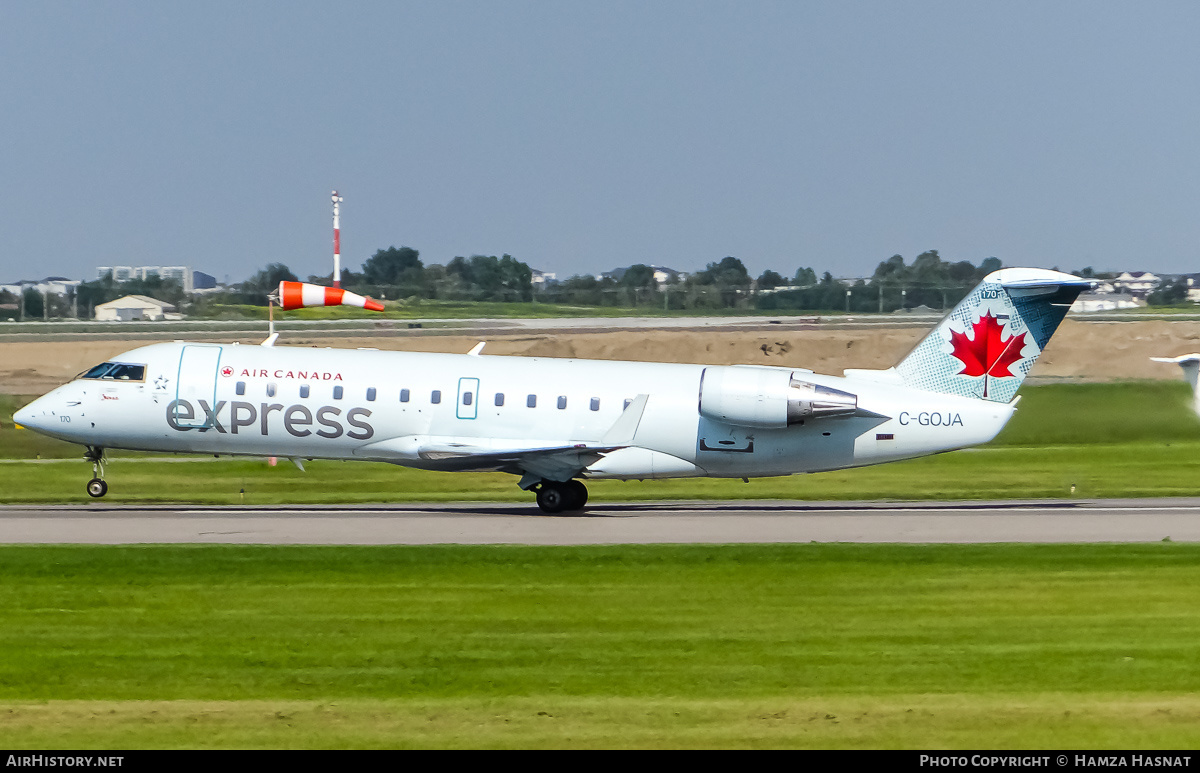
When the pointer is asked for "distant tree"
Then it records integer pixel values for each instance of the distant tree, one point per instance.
(586, 290)
(1169, 294)
(769, 280)
(891, 269)
(639, 275)
(486, 277)
(638, 286)
(988, 266)
(961, 272)
(729, 277)
(394, 266)
(730, 273)
(516, 278)
(34, 303)
(265, 281)
(804, 277)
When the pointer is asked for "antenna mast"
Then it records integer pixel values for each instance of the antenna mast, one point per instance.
(337, 241)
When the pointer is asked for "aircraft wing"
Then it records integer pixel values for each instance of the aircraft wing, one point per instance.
(552, 460)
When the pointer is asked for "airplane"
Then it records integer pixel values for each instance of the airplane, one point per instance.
(556, 423)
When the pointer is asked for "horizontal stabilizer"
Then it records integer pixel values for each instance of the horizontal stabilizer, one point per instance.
(1190, 363)
(1180, 360)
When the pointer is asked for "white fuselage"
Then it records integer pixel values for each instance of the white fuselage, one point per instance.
(391, 406)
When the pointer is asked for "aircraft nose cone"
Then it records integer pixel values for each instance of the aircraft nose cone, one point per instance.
(30, 416)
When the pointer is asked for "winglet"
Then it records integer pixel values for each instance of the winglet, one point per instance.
(270, 340)
(622, 431)
(477, 348)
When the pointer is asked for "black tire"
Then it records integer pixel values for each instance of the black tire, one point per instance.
(552, 497)
(97, 488)
(577, 494)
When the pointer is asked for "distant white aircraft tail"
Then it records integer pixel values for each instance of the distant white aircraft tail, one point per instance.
(985, 347)
(1191, 374)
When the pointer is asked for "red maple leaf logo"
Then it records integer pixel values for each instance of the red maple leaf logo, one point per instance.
(226, 371)
(987, 354)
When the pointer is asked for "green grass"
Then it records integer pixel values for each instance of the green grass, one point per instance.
(1126, 470)
(1100, 414)
(998, 646)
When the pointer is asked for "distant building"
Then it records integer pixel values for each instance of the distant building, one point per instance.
(542, 278)
(1105, 302)
(203, 281)
(181, 274)
(52, 285)
(1137, 283)
(134, 308)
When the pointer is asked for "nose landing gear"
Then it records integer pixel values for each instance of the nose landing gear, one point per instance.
(555, 497)
(96, 487)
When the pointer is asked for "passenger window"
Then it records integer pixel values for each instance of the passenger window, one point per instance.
(270, 390)
(531, 401)
(466, 398)
(337, 393)
(595, 406)
(304, 391)
(370, 394)
(436, 397)
(241, 388)
(562, 402)
(404, 395)
(499, 398)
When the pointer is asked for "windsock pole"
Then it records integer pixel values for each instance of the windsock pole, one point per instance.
(337, 241)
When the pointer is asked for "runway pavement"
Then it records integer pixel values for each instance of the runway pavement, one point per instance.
(1141, 520)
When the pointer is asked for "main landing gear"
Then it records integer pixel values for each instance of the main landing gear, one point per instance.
(96, 487)
(555, 497)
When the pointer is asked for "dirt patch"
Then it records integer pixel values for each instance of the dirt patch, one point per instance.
(1081, 351)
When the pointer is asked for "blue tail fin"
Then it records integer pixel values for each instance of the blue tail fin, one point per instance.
(987, 345)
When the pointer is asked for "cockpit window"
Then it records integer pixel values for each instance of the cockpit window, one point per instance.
(116, 371)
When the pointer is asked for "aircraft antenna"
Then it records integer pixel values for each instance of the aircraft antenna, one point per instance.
(337, 240)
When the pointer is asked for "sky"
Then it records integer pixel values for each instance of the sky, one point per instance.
(578, 137)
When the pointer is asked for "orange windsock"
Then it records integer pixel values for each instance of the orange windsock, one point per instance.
(295, 295)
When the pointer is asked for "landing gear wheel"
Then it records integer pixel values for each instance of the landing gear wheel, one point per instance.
(576, 494)
(552, 497)
(96, 487)
(555, 497)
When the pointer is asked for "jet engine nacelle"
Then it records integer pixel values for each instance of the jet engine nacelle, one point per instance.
(767, 398)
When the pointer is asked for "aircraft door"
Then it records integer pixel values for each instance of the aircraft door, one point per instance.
(468, 398)
(196, 382)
